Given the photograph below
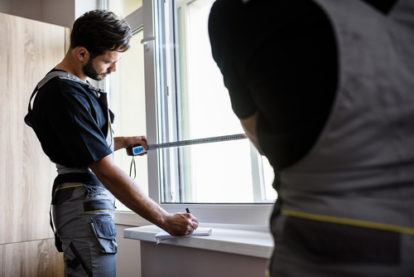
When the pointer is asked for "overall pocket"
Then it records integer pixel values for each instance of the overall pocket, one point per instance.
(103, 227)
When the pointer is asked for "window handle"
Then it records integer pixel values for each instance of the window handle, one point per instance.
(147, 39)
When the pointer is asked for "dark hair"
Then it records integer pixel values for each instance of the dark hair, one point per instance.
(100, 31)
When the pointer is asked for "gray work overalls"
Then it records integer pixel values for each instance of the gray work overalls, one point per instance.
(82, 213)
(347, 208)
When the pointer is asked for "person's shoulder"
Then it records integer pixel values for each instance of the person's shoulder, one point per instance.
(60, 91)
(260, 10)
(225, 3)
(62, 84)
(58, 87)
(223, 9)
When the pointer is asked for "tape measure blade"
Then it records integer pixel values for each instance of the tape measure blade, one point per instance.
(196, 141)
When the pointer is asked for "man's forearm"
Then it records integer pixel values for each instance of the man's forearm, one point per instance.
(249, 126)
(119, 143)
(128, 192)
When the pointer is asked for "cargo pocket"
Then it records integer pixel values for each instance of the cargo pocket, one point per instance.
(104, 229)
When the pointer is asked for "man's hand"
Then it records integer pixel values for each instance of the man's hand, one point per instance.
(124, 142)
(249, 126)
(180, 224)
(129, 193)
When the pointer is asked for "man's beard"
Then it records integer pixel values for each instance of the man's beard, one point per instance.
(89, 71)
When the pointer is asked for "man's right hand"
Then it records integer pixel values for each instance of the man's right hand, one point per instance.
(129, 193)
(180, 224)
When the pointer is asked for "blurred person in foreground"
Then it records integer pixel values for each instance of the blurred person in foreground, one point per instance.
(325, 90)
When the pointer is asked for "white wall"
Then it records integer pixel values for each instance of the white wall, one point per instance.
(128, 262)
(5, 6)
(82, 6)
(59, 12)
(26, 8)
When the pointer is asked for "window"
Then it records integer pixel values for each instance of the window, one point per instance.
(224, 182)
(123, 8)
(196, 105)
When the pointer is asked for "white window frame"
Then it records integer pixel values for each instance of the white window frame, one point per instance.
(155, 73)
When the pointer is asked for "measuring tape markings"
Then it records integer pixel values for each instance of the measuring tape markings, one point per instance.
(136, 150)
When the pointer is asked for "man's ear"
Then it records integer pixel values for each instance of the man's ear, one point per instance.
(81, 54)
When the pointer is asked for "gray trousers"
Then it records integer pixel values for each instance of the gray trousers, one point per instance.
(305, 248)
(83, 218)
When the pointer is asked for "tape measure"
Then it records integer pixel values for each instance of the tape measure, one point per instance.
(138, 149)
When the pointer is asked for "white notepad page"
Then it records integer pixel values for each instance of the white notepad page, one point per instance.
(199, 232)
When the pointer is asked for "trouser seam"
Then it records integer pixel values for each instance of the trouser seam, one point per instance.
(82, 262)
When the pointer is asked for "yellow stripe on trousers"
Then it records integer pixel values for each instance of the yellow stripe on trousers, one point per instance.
(349, 221)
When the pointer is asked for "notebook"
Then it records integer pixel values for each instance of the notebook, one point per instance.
(199, 232)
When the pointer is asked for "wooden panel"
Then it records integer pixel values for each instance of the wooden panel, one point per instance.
(28, 50)
(33, 258)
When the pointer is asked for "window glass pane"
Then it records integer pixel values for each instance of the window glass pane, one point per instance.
(205, 102)
(227, 172)
(218, 173)
(127, 96)
(122, 8)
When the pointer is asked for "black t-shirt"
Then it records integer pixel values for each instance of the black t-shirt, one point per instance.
(279, 59)
(70, 121)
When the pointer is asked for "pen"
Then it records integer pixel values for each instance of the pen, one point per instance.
(187, 210)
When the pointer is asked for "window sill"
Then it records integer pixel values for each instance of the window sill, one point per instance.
(254, 241)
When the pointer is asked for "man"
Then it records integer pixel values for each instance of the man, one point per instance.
(73, 123)
(324, 88)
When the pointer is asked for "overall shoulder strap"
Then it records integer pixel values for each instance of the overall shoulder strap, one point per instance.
(51, 75)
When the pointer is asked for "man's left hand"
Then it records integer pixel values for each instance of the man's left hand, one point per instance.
(124, 142)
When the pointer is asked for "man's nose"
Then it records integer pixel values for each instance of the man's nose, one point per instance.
(112, 68)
